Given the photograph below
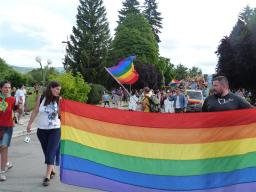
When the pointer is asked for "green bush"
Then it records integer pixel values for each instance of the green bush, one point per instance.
(95, 94)
(72, 87)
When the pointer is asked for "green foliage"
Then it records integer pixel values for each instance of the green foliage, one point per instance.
(154, 17)
(31, 99)
(88, 48)
(149, 76)
(236, 52)
(5, 70)
(8, 73)
(16, 78)
(36, 75)
(95, 94)
(73, 87)
(181, 72)
(135, 37)
(129, 7)
(194, 71)
(166, 68)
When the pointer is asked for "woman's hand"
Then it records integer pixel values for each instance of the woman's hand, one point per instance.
(29, 128)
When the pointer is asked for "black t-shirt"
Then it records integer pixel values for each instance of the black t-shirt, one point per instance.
(228, 102)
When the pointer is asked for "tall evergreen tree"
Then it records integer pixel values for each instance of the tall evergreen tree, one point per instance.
(88, 47)
(236, 53)
(154, 17)
(129, 7)
(134, 36)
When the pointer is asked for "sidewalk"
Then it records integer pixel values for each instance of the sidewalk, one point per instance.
(20, 130)
(28, 170)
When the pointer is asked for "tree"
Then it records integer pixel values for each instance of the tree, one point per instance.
(72, 86)
(5, 69)
(154, 17)
(35, 76)
(149, 76)
(236, 53)
(95, 95)
(181, 72)
(194, 71)
(16, 78)
(166, 68)
(8, 73)
(88, 47)
(129, 7)
(135, 37)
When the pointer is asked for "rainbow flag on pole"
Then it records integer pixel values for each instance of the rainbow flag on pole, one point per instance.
(124, 72)
(122, 151)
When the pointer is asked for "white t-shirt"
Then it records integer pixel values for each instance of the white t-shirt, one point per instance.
(168, 106)
(20, 95)
(48, 117)
(177, 102)
(133, 102)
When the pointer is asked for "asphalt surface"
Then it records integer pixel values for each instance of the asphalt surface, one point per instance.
(28, 168)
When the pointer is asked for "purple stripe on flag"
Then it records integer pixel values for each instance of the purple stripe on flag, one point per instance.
(91, 181)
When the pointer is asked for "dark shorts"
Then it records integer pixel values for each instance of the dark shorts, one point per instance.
(50, 143)
(106, 102)
(5, 136)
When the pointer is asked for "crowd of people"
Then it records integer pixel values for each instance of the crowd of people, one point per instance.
(168, 100)
(48, 112)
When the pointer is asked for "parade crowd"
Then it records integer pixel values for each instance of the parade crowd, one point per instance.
(168, 100)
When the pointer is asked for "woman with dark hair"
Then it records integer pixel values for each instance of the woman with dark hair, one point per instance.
(7, 104)
(48, 124)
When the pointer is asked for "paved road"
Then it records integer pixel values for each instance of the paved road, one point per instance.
(28, 171)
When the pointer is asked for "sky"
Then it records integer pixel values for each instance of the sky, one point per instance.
(191, 32)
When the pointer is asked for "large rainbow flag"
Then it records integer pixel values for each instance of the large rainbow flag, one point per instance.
(122, 151)
(125, 72)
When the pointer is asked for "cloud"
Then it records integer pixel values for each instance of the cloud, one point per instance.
(191, 30)
(36, 28)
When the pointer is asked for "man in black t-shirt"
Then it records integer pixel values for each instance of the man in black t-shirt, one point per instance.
(223, 99)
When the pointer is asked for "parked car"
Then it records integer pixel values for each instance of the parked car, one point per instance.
(195, 100)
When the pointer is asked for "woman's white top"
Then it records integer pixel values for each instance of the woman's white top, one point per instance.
(48, 117)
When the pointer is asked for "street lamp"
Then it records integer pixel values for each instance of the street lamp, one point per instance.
(49, 62)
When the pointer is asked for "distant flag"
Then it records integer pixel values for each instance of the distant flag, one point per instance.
(174, 82)
(125, 72)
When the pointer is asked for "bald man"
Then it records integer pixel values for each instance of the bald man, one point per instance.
(223, 99)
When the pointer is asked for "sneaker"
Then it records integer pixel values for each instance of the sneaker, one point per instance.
(8, 166)
(46, 182)
(2, 177)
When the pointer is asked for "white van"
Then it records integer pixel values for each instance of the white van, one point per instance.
(195, 100)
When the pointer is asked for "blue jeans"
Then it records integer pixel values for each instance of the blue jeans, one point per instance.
(50, 143)
(5, 140)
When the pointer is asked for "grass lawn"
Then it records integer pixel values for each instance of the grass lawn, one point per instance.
(31, 101)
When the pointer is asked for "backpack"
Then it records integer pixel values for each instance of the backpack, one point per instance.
(41, 98)
(154, 104)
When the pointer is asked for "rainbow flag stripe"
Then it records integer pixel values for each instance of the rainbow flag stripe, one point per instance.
(125, 72)
(115, 150)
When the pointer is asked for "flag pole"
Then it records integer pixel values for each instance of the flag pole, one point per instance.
(117, 81)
